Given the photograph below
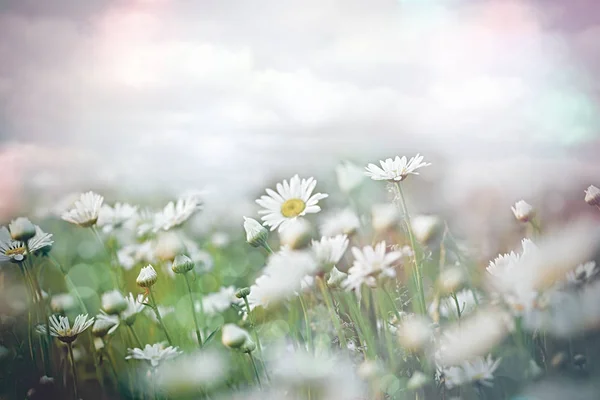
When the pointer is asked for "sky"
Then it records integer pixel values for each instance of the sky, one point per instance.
(169, 95)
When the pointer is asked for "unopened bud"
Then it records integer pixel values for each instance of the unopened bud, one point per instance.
(243, 292)
(182, 264)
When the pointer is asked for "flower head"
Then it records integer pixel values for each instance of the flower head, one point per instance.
(371, 263)
(296, 234)
(592, 196)
(60, 327)
(292, 200)
(175, 214)
(329, 250)
(336, 277)
(154, 354)
(113, 302)
(182, 264)
(21, 229)
(523, 211)
(85, 211)
(340, 222)
(111, 218)
(105, 324)
(233, 336)
(16, 251)
(147, 277)
(397, 169)
(256, 234)
(479, 370)
(583, 272)
(134, 306)
(384, 216)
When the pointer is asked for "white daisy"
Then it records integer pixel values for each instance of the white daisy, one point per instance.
(292, 200)
(582, 273)
(111, 218)
(147, 277)
(340, 222)
(395, 170)
(154, 354)
(135, 305)
(425, 227)
(16, 251)
(105, 324)
(523, 211)
(329, 250)
(60, 327)
(479, 370)
(85, 211)
(21, 229)
(256, 234)
(466, 301)
(349, 176)
(371, 263)
(384, 216)
(134, 254)
(175, 214)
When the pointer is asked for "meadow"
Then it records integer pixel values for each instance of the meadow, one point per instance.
(305, 300)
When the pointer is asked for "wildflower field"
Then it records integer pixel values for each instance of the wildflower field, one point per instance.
(315, 296)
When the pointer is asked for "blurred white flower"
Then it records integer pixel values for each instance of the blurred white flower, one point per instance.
(233, 336)
(137, 253)
(154, 354)
(147, 277)
(415, 332)
(425, 227)
(15, 251)
(60, 327)
(523, 211)
(168, 245)
(340, 222)
(396, 169)
(62, 302)
(330, 250)
(220, 240)
(336, 278)
(105, 324)
(176, 213)
(349, 176)
(189, 374)
(111, 218)
(451, 280)
(592, 196)
(85, 211)
(113, 302)
(467, 301)
(296, 234)
(21, 229)
(282, 277)
(582, 273)
(371, 263)
(135, 305)
(163, 310)
(384, 216)
(256, 234)
(292, 200)
(214, 303)
(479, 370)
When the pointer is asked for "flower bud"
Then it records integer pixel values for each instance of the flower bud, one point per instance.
(182, 264)
(243, 292)
(113, 302)
(296, 235)
(233, 336)
(147, 277)
(256, 234)
(592, 196)
(384, 216)
(336, 277)
(102, 326)
(523, 211)
(425, 227)
(21, 229)
(248, 347)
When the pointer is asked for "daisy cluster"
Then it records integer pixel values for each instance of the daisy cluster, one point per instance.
(311, 297)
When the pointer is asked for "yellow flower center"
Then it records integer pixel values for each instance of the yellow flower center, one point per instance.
(292, 208)
(15, 251)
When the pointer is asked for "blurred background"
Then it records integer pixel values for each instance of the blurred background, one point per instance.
(146, 98)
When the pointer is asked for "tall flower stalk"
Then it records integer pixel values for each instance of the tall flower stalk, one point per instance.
(182, 265)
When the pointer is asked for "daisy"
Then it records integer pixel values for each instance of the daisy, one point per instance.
(467, 302)
(175, 214)
(384, 216)
(370, 263)
(111, 218)
(85, 211)
(105, 324)
(256, 234)
(135, 305)
(329, 250)
(523, 211)
(154, 354)
(60, 327)
(340, 222)
(147, 277)
(16, 251)
(395, 170)
(479, 370)
(292, 200)
(133, 254)
(220, 301)
(21, 229)
(349, 176)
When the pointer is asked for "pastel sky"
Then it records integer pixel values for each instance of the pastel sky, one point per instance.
(174, 94)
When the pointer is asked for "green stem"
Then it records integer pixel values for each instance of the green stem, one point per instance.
(70, 285)
(306, 324)
(255, 369)
(268, 248)
(417, 271)
(73, 370)
(254, 332)
(29, 318)
(187, 282)
(135, 336)
(333, 314)
(110, 255)
(458, 312)
(158, 317)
